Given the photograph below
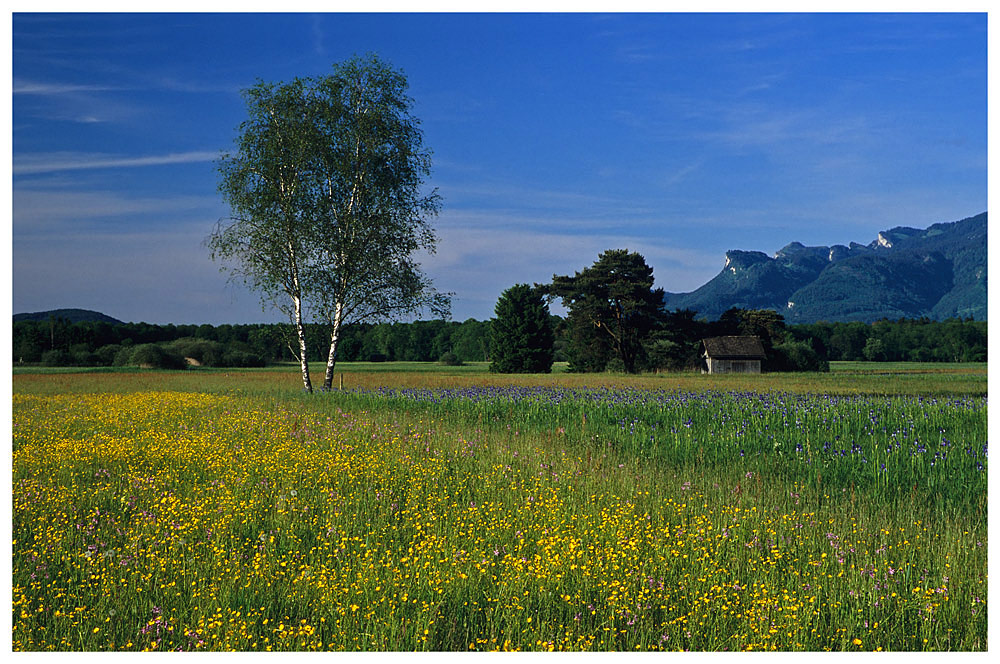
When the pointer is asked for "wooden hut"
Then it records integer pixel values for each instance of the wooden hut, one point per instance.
(732, 355)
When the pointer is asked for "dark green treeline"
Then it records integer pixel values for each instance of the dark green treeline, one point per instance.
(57, 342)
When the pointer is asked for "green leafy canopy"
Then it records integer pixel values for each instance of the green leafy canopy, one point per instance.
(326, 187)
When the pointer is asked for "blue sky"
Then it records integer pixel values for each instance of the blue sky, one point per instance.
(555, 137)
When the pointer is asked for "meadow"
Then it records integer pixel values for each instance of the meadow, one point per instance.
(445, 508)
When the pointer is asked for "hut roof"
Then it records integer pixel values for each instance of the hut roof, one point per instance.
(748, 348)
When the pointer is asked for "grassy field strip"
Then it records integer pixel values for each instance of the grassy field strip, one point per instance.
(538, 519)
(871, 378)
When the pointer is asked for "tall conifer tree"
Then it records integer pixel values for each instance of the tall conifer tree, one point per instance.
(521, 336)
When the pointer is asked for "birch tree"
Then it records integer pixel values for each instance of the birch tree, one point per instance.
(372, 213)
(330, 212)
(266, 242)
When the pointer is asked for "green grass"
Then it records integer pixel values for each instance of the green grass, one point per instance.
(844, 378)
(319, 369)
(227, 510)
(909, 367)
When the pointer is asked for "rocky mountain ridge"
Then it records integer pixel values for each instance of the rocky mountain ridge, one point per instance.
(939, 272)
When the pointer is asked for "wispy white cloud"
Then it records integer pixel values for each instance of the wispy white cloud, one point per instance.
(478, 263)
(189, 85)
(892, 33)
(59, 212)
(51, 162)
(25, 87)
(317, 34)
(96, 102)
(147, 81)
(496, 201)
(766, 126)
(85, 103)
(677, 176)
(527, 196)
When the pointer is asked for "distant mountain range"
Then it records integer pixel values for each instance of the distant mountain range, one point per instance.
(69, 315)
(938, 272)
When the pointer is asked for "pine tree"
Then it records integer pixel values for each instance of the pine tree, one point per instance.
(613, 308)
(521, 336)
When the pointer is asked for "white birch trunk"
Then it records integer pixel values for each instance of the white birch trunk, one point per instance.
(300, 330)
(331, 359)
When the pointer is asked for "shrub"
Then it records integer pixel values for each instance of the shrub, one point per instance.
(203, 351)
(152, 356)
(615, 365)
(57, 358)
(209, 353)
(105, 355)
(874, 350)
(796, 356)
(240, 359)
(84, 358)
(449, 359)
(123, 357)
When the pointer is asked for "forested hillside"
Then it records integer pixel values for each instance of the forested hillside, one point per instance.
(69, 315)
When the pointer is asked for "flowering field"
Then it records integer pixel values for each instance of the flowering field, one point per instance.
(502, 518)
